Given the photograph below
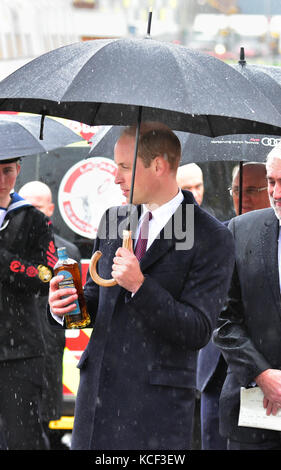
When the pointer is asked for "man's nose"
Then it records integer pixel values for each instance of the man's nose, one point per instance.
(117, 179)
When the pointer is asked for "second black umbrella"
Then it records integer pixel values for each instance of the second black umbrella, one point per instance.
(19, 135)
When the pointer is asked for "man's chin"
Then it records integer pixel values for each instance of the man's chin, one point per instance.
(277, 209)
(277, 213)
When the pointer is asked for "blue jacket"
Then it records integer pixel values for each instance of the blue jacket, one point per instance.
(26, 242)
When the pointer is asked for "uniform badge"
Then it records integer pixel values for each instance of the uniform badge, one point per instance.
(45, 274)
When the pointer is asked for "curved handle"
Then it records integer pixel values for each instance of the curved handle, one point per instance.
(93, 272)
(127, 243)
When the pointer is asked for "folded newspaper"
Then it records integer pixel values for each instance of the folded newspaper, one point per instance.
(253, 414)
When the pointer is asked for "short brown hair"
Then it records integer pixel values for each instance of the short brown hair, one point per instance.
(156, 139)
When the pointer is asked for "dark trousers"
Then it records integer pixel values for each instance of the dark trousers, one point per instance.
(20, 400)
(272, 444)
(210, 436)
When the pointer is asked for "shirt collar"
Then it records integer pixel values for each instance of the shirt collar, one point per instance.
(16, 202)
(168, 208)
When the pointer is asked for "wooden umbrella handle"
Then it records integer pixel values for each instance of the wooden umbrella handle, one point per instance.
(127, 243)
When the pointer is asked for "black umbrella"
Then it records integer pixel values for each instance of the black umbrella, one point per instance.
(19, 135)
(107, 81)
(124, 81)
(267, 79)
(200, 148)
(238, 147)
(103, 142)
(197, 148)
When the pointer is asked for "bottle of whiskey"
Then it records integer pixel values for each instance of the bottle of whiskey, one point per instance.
(78, 318)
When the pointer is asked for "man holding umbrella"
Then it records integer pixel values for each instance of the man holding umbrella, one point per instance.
(137, 375)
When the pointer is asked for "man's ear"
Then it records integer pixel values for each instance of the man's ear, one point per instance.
(159, 164)
(50, 209)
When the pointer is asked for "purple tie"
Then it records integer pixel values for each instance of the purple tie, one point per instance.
(140, 248)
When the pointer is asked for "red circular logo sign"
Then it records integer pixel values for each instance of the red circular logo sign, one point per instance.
(86, 191)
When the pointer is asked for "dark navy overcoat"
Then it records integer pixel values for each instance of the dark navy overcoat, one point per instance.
(138, 372)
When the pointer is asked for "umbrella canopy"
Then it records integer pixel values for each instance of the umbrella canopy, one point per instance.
(272, 71)
(106, 81)
(197, 148)
(238, 147)
(267, 78)
(19, 135)
(103, 142)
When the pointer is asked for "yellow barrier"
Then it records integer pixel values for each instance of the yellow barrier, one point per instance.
(65, 422)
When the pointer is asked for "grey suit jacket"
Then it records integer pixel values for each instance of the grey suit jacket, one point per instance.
(249, 329)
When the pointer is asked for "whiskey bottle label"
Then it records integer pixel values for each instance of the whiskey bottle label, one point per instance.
(68, 282)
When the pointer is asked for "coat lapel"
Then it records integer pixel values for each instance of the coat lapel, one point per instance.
(158, 248)
(269, 246)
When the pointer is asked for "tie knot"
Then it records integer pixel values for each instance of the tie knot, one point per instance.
(148, 216)
(145, 224)
(143, 236)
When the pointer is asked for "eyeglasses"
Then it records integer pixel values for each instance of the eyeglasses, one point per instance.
(248, 191)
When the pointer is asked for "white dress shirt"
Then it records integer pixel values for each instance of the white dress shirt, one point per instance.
(160, 217)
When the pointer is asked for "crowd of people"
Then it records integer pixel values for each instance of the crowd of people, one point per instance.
(190, 284)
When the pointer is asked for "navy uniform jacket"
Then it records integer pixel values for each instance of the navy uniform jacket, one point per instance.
(137, 374)
(26, 243)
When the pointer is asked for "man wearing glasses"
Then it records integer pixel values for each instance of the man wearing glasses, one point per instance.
(249, 327)
(212, 367)
(254, 188)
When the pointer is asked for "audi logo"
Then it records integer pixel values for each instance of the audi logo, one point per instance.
(270, 141)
